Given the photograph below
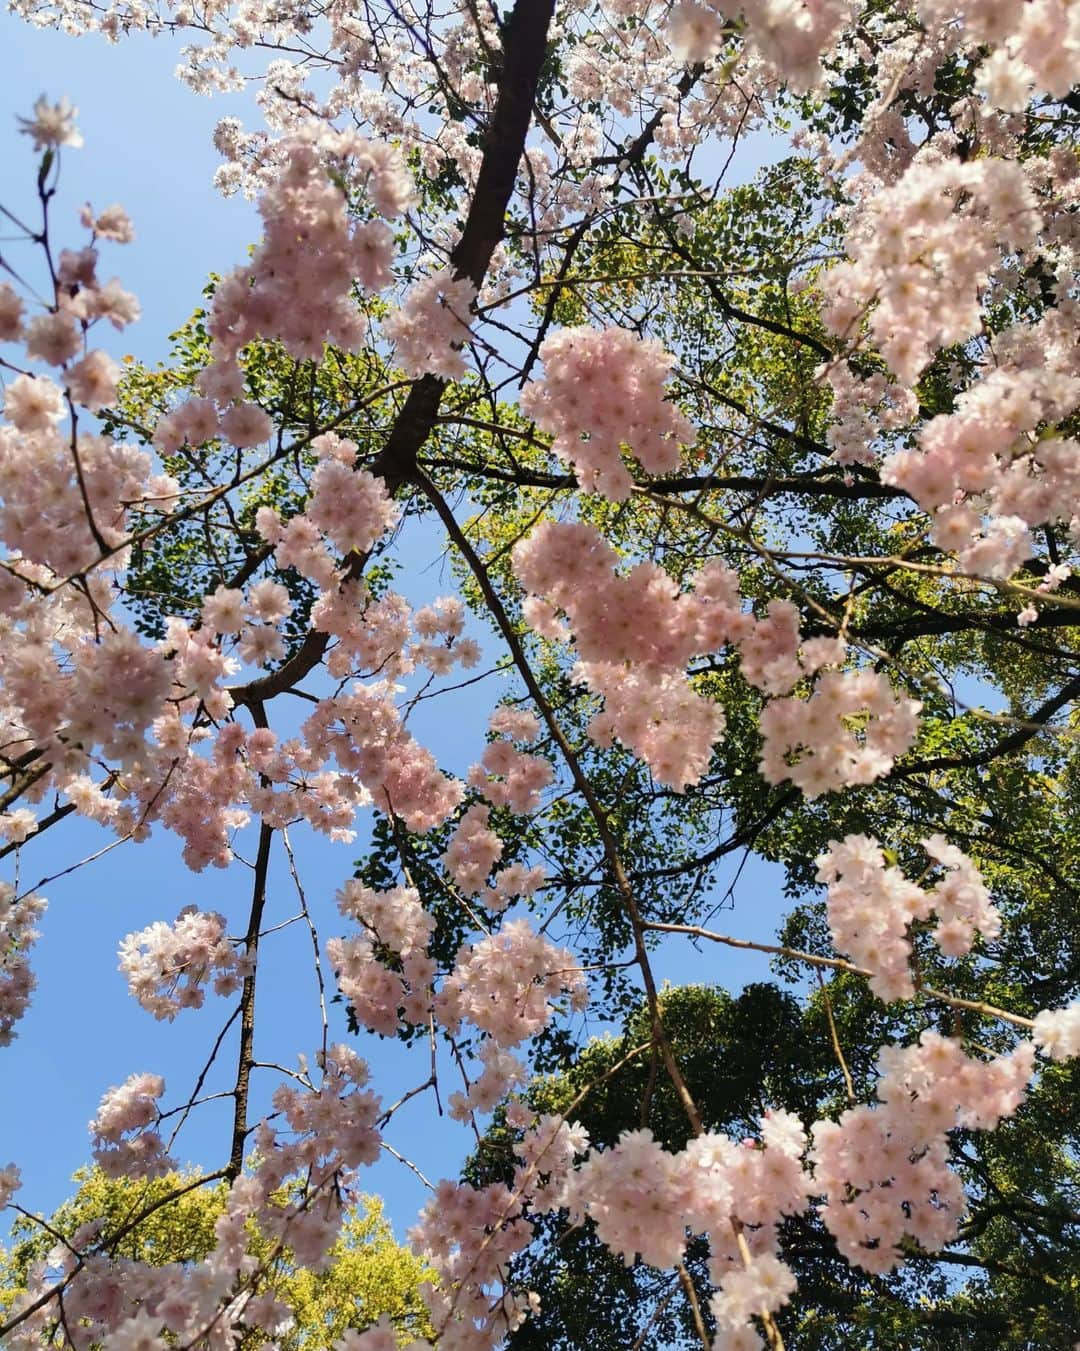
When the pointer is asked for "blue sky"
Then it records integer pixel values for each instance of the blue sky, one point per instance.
(148, 146)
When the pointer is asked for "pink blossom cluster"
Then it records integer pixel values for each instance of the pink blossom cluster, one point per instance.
(297, 288)
(18, 916)
(1036, 45)
(502, 1072)
(885, 1169)
(473, 851)
(505, 984)
(604, 389)
(431, 326)
(382, 996)
(43, 516)
(470, 1234)
(791, 38)
(396, 918)
(509, 777)
(364, 732)
(1056, 1032)
(645, 1201)
(326, 1133)
(196, 421)
(440, 644)
(127, 1111)
(987, 459)
(168, 965)
(850, 731)
(923, 252)
(774, 658)
(634, 635)
(861, 409)
(350, 508)
(515, 880)
(369, 634)
(10, 1182)
(547, 1150)
(872, 906)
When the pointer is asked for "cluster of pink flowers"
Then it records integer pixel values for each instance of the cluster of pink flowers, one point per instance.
(509, 777)
(850, 731)
(10, 1182)
(43, 519)
(1036, 45)
(297, 288)
(469, 1234)
(790, 38)
(126, 1305)
(923, 252)
(505, 984)
(432, 326)
(381, 996)
(196, 421)
(473, 851)
(987, 458)
(872, 906)
(127, 1111)
(608, 384)
(885, 1169)
(645, 1201)
(168, 965)
(349, 507)
(772, 655)
(502, 1072)
(17, 934)
(364, 732)
(634, 635)
(1056, 1032)
(547, 1149)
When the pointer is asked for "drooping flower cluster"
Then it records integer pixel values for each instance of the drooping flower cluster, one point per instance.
(634, 635)
(850, 731)
(17, 935)
(603, 389)
(509, 777)
(923, 251)
(790, 38)
(168, 965)
(128, 1111)
(646, 1202)
(470, 1234)
(885, 1169)
(872, 906)
(297, 288)
(10, 1182)
(1057, 1032)
(505, 984)
(382, 996)
(432, 325)
(363, 731)
(473, 851)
